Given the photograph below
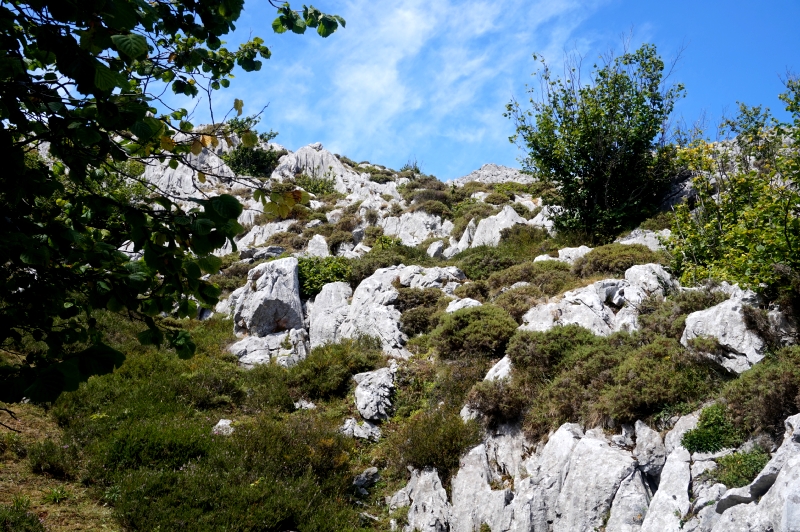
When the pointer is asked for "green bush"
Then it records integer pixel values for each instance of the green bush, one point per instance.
(714, 432)
(766, 394)
(409, 298)
(316, 185)
(316, 272)
(290, 241)
(667, 317)
(499, 400)
(474, 333)
(549, 276)
(739, 469)
(519, 301)
(419, 309)
(326, 372)
(154, 443)
(539, 353)
(434, 438)
(434, 207)
(614, 259)
(497, 198)
(477, 290)
(51, 458)
(338, 238)
(254, 162)
(18, 517)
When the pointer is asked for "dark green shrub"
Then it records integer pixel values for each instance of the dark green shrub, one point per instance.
(433, 207)
(51, 458)
(614, 259)
(739, 469)
(254, 162)
(347, 223)
(316, 272)
(477, 290)
(419, 320)
(371, 216)
(154, 443)
(467, 210)
(419, 309)
(408, 298)
(371, 234)
(480, 262)
(338, 238)
(473, 332)
(766, 394)
(316, 185)
(18, 517)
(519, 301)
(328, 369)
(216, 384)
(499, 400)
(290, 241)
(538, 353)
(522, 210)
(662, 220)
(382, 256)
(434, 438)
(497, 198)
(12, 443)
(549, 276)
(667, 317)
(714, 432)
(267, 388)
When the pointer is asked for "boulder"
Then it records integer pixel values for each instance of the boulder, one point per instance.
(223, 427)
(327, 313)
(259, 234)
(284, 348)
(645, 237)
(501, 370)
(489, 229)
(739, 347)
(270, 302)
(630, 504)
(494, 173)
(671, 502)
(415, 227)
(544, 220)
(365, 431)
(318, 247)
(474, 501)
(436, 249)
(684, 424)
(374, 392)
(649, 451)
(458, 304)
(269, 252)
(428, 510)
(366, 479)
(566, 255)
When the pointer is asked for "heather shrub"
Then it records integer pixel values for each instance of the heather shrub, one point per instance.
(48, 457)
(477, 290)
(316, 272)
(740, 469)
(614, 259)
(18, 517)
(497, 198)
(518, 301)
(338, 238)
(499, 400)
(434, 207)
(667, 317)
(549, 277)
(714, 432)
(473, 332)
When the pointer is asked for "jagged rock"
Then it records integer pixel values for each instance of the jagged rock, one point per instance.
(630, 504)
(270, 302)
(318, 247)
(374, 392)
(302, 404)
(544, 219)
(314, 223)
(494, 173)
(436, 249)
(259, 234)
(366, 479)
(684, 424)
(646, 237)
(474, 501)
(223, 428)
(458, 304)
(671, 502)
(595, 472)
(415, 227)
(766, 478)
(365, 431)
(429, 510)
(624, 439)
(501, 370)
(566, 255)
(269, 252)
(527, 201)
(739, 347)
(649, 451)
(480, 195)
(652, 279)
(284, 348)
(327, 313)
(489, 229)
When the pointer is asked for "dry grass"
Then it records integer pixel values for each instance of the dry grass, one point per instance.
(80, 511)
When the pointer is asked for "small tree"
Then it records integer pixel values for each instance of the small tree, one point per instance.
(601, 145)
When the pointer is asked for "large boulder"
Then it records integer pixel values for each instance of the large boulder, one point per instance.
(415, 227)
(489, 229)
(475, 503)
(327, 313)
(739, 347)
(646, 237)
(270, 301)
(318, 247)
(284, 348)
(649, 451)
(428, 510)
(566, 255)
(374, 392)
(494, 173)
(630, 504)
(671, 502)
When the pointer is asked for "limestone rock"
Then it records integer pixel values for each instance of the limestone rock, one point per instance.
(649, 451)
(671, 502)
(284, 348)
(415, 227)
(684, 424)
(630, 504)
(501, 370)
(740, 348)
(374, 393)
(436, 249)
(366, 479)
(365, 431)
(494, 173)
(566, 255)
(429, 510)
(544, 220)
(646, 237)
(318, 247)
(327, 313)
(259, 234)
(223, 427)
(270, 302)
(458, 304)
(474, 501)
(489, 229)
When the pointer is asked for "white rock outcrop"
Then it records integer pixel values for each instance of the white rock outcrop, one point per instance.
(646, 237)
(671, 502)
(415, 227)
(366, 430)
(489, 229)
(270, 301)
(566, 255)
(374, 393)
(494, 173)
(318, 247)
(458, 304)
(327, 312)
(284, 348)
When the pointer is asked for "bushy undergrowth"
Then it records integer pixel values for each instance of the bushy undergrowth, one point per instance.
(714, 432)
(614, 259)
(667, 317)
(316, 272)
(420, 309)
(549, 277)
(473, 333)
(739, 469)
(255, 162)
(18, 517)
(517, 244)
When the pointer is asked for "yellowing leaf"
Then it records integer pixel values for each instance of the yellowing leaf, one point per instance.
(238, 105)
(205, 140)
(197, 147)
(167, 143)
(201, 177)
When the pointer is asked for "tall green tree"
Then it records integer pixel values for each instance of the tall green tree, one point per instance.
(600, 144)
(80, 109)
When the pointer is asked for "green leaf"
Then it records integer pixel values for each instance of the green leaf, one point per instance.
(238, 105)
(210, 264)
(277, 25)
(249, 139)
(105, 78)
(132, 45)
(226, 206)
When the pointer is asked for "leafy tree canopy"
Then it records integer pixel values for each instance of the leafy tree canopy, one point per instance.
(81, 84)
(600, 144)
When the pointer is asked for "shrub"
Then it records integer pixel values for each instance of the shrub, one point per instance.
(387, 251)
(739, 469)
(519, 301)
(254, 162)
(477, 290)
(371, 216)
(766, 394)
(347, 223)
(316, 272)
(18, 517)
(288, 240)
(371, 234)
(549, 277)
(154, 443)
(50, 458)
(316, 185)
(538, 353)
(497, 198)
(434, 207)
(499, 400)
(667, 317)
(326, 372)
(579, 135)
(614, 259)
(714, 432)
(434, 438)
(419, 309)
(338, 238)
(467, 210)
(478, 263)
(474, 332)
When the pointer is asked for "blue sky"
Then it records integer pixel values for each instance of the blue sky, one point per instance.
(428, 80)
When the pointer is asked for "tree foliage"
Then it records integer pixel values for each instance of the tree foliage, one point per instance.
(80, 88)
(745, 224)
(600, 144)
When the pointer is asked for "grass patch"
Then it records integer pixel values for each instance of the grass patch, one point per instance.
(714, 432)
(739, 469)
